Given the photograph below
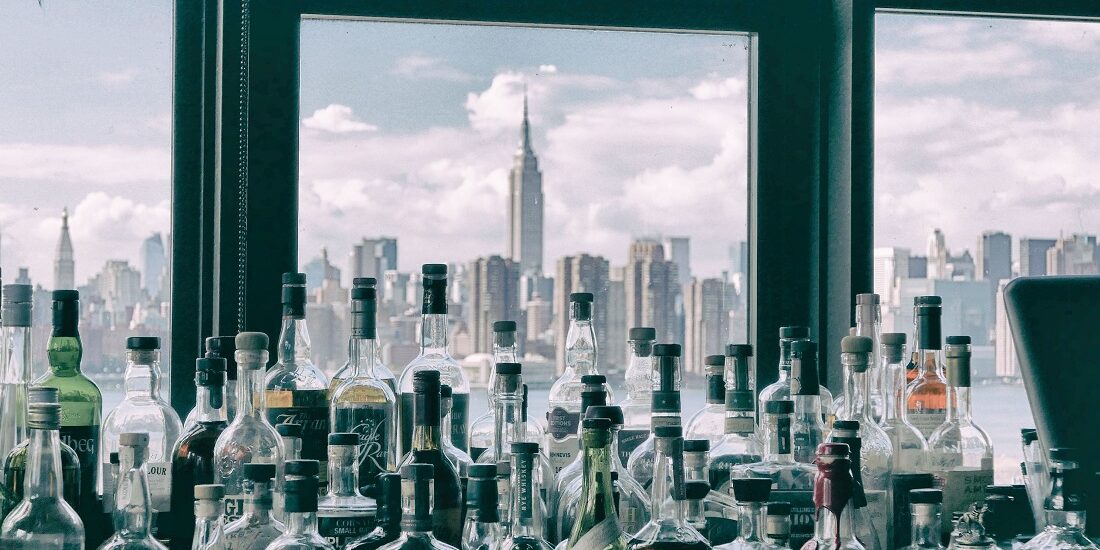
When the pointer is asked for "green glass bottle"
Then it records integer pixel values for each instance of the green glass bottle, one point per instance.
(597, 526)
(81, 401)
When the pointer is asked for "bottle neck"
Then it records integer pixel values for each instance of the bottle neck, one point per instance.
(639, 372)
(364, 354)
(301, 523)
(856, 389)
(668, 480)
(958, 404)
(433, 334)
(831, 528)
(926, 525)
(750, 514)
(524, 512)
(259, 506)
(784, 358)
(580, 347)
(142, 379)
(251, 400)
(294, 348)
(132, 513)
(210, 403)
(778, 430)
(343, 471)
(807, 409)
(597, 494)
(18, 342)
(427, 430)
(505, 353)
(43, 465)
(894, 383)
(64, 353)
(510, 427)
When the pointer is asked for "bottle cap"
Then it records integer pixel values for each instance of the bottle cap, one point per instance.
(294, 278)
(597, 424)
(751, 489)
(113, 458)
(482, 471)
(666, 350)
(44, 416)
(668, 431)
(593, 379)
(364, 282)
(852, 425)
(134, 439)
(1063, 454)
(300, 495)
(779, 508)
(303, 468)
(738, 350)
(17, 304)
(893, 339)
(781, 406)
(582, 297)
(417, 471)
(696, 445)
(389, 507)
(1029, 435)
(212, 491)
(426, 381)
(434, 269)
(856, 344)
(867, 299)
(833, 449)
(16, 293)
(715, 360)
(363, 293)
(289, 430)
(925, 496)
(251, 341)
(345, 439)
(504, 326)
(927, 301)
(259, 471)
(525, 448)
(445, 391)
(696, 489)
(611, 412)
(142, 343)
(65, 295)
(642, 333)
(43, 394)
(794, 333)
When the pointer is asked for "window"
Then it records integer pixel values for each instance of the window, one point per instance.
(984, 170)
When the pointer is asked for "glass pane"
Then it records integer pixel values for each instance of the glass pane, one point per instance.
(633, 143)
(86, 104)
(985, 164)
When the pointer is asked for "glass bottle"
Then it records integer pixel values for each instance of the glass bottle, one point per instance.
(638, 404)
(219, 347)
(81, 403)
(751, 495)
(427, 448)
(483, 428)
(868, 506)
(301, 513)
(912, 370)
(781, 388)
(833, 490)
(960, 452)
(387, 515)
(907, 445)
(417, 517)
(133, 504)
(710, 422)
(482, 530)
(869, 324)
(43, 518)
(925, 505)
(508, 399)
(597, 524)
(525, 510)
(292, 469)
(142, 410)
(344, 514)
(718, 510)
(792, 482)
(208, 534)
(364, 404)
(435, 356)
(740, 444)
(15, 369)
(667, 528)
(249, 438)
(381, 371)
(807, 428)
(777, 524)
(15, 464)
(695, 506)
(665, 410)
(1064, 507)
(594, 394)
(257, 527)
(193, 454)
(458, 457)
(926, 395)
(297, 391)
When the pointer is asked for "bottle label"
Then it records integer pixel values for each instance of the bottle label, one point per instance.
(85, 441)
(600, 536)
(961, 487)
(374, 443)
(460, 415)
(308, 409)
(159, 476)
(562, 423)
(802, 514)
(340, 529)
(927, 420)
(783, 435)
(562, 445)
(629, 440)
(234, 507)
(740, 425)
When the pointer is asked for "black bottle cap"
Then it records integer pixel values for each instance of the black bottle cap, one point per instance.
(524, 448)
(583, 297)
(1063, 454)
(642, 333)
(417, 471)
(256, 471)
(482, 471)
(715, 360)
(445, 391)
(509, 368)
(504, 326)
(304, 468)
(958, 340)
(364, 282)
(597, 424)
(927, 301)
(738, 350)
(294, 295)
(794, 333)
(294, 278)
(779, 508)
(300, 495)
(65, 295)
(289, 430)
(804, 372)
(666, 350)
(751, 489)
(893, 339)
(668, 431)
(846, 425)
(364, 293)
(113, 457)
(925, 496)
(433, 269)
(611, 412)
(696, 445)
(697, 489)
(593, 398)
(435, 289)
(928, 327)
(426, 381)
(346, 439)
(593, 379)
(224, 347)
(481, 498)
(781, 406)
(210, 371)
(143, 343)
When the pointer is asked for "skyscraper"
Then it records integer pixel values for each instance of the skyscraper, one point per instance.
(493, 290)
(1074, 255)
(890, 264)
(994, 256)
(64, 267)
(1033, 256)
(652, 289)
(373, 257)
(581, 273)
(152, 264)
(706, 321)
(525, 204)
(1004, 351)
(678, 250)
(318, 270)
(615, 352)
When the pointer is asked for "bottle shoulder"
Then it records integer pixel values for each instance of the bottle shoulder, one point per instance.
(362, 389)
(299, 376)
(450, 372)
(75, 388)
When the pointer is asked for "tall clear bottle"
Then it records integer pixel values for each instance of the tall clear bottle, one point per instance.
(667, 529)
(143, 410)
(15, 368)
(482, 429)
(665, 411)
(925, 506)
(417, 516)
(133, 513)
(435, 356)
(710, 422)
(208, 534)
(718, 510)
(1064, 507)
(525, 511)
(364, 404)
(869, 324)
(381, 371)
(807, 428)
(508, 425)
(250, 437)
(833, 490)
(740, 444)
(907, 445)
(301, 513)
(960, 452)
(482, 529)
(257, 527)
(344, 514)
(752, 496)
(926, 395)
(219, 347)
(297, 391)
(781, 388)
(43, 519)
(597, 524)
(638, 404)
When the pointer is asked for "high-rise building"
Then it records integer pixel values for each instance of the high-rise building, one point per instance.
(1033, 256)
(580, 273)
(937, 256)
(525, 202)
(373, 257)
(493, 291)
(678, 250)
(64, 266)
(152, 264)
(706, 321)
(119, 287)
(918, 267)
(890, 264)
(1074, 255)
(652, 290)
(1007, 363)
(24, 277)
(994, 256)
(615, 346)
(319, 270)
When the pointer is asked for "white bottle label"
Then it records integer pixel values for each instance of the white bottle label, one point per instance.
(159, 475)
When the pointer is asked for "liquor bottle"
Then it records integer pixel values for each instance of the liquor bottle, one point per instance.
(960, 452)
(594, 394)
(143, 411)
(597, 524)
(751, 495)
(417, 515)
(15, 464)
(525, 511)
(208, 534)
(710, 422)
(15, 368)
(381, 372)
(387, 515)
(638, 404)
(912, 370)
(833, 489)
(667, 528)
(925, 505)
(665, 412)
(458, 457)
(719, 510)
(740, 444)
(301, 512)
(482, 530)
(508, 400)
(781, 388)
(297, 391)
(869, 324)
(695, 506)
(926, 395)
(427, 448)
(792, 481)
(193, 454)
(807, 428)
(1064, 507)
(777, 524)
(292, 469)
(344, 514)
(257, 527)
(482, 429)
(867, 506)
(907, 444)
(364, 404)
(249, 438)
(133, 503)
(43, 518)
(81, 404)
(219, 347)
(434, 356)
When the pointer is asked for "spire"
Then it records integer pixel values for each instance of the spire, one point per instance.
(525, 136)
(65, 219)
(63, 261)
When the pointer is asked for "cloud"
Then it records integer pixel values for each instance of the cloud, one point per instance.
(119, 77)
(718, 88)
(430, 68)
(548, 69)
(99, 164)
(1077, 37)
(500, 106)
(337, 119)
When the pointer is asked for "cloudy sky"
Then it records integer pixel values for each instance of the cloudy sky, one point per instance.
(409, 130)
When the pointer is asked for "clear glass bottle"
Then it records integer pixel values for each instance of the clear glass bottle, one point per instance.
(833, 491)
(482, 530)
(483, 429)
(133, 504)
(926, 395)
(42, 518)
(301, 513)
(777, 524)
(381, 371)
(695, 506)
(594, 394)
(363, 403)
(458, 457)
(868, 506)
(297, 391)
(807, 428)
(208, 533)
(387, 516)
(258, 526)
(250, 437)
(638, 403)
(667, 529)
(665, 410)
(907, 444)
(926, 508)
(960, 452)
(427, 448)
(344, 514)
(525, 511)
(219, 347)
(781, 388)
(792, 481)
(508, 424)
(435, 356)
(710, 422)
(719, 510)
(15, 369)
(740, 444)
(15, 464)
(1064, 507)
(597, 524)
(417, 517)
(869, 324)
(751, 495)
(143, 410)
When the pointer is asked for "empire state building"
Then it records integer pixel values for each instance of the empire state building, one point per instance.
(525, 204)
